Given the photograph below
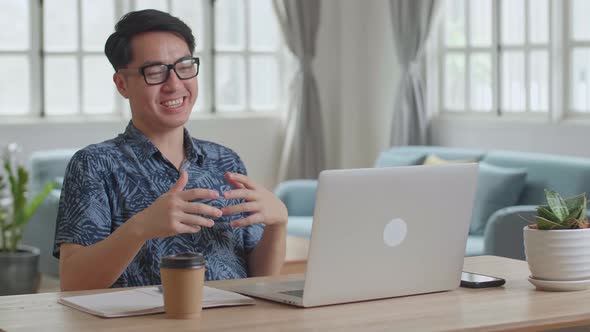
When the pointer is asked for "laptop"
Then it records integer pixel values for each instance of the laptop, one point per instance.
(381, 233)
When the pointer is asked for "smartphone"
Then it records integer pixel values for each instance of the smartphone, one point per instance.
(475, 280)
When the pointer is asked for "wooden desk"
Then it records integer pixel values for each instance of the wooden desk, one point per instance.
(517, 306)
(295, 262)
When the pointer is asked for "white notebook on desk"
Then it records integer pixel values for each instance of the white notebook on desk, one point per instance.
(143, 301)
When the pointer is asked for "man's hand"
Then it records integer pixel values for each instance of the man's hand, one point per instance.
(174, 213)
(264, 207)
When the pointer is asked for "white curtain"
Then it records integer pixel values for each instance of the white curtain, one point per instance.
(412, 21)
(303, 150)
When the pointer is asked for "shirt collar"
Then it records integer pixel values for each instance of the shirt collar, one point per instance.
(144, 148)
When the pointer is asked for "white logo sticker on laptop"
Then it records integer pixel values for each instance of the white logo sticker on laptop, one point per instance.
(395, 232)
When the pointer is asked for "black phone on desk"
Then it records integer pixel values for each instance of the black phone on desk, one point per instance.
(475, 280)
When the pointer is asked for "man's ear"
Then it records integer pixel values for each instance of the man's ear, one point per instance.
(121, 83)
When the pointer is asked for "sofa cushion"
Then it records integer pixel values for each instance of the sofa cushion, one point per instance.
(448, 153)
(567, 175)
(386, 159)
(433, 159)
(415, 155)
(497, 187)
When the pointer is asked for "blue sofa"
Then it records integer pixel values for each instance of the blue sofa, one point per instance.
(516, 179)
(46, 166)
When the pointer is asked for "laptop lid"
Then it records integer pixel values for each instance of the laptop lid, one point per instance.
(385, 232)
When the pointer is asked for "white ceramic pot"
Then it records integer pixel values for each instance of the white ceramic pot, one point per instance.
(560, 255)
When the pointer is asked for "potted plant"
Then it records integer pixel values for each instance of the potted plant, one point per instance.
(20, 263)
(557, 246)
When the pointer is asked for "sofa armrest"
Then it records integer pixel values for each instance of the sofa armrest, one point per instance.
(298, 196)
(503, 235)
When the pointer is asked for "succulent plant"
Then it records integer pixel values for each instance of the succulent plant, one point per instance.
(562, 213)
(12, 222)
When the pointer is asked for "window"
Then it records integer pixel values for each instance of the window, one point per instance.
(513, 56)
(247, 71)
(579, 58)
(76, 73)
(17, 58)
(495, 56)
(54, 63)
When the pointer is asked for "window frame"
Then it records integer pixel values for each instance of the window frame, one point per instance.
(279, 54)
(569, 45)
(559, 50)
(79, 54)
(36, 56)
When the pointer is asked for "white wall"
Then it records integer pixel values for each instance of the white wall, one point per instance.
(256, 139)
(565, 138)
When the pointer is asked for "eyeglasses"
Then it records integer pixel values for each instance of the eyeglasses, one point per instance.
(185, 69)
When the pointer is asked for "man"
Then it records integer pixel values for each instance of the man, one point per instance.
(155, 191)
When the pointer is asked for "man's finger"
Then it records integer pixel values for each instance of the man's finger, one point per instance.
(242, 179)
(183, 228)
(199, 193)
(193, 220)
(247, 194)
(200, 208)
(180, 183)
(240, 208)
(234, 183)
(256, 218)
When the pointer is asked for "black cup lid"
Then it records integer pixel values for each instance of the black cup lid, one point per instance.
(185, 260)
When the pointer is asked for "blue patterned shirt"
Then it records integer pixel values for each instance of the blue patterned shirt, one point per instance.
(108, 183)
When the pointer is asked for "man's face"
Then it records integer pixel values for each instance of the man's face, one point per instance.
(157, 108)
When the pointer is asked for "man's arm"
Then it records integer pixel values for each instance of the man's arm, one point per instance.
(263, 207)
(99, 265)
(268, 256)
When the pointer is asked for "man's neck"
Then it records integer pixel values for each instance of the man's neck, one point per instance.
(169, 142)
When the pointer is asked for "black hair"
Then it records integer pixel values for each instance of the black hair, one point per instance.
(118, 45)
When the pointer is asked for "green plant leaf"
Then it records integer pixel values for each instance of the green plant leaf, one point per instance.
(578, 204)
(583, 212)
(19, 196)
(575, 213)
(571, 224)
(544, 224)
(11, 178)
(544, 212)
(574, 201)
(35, 202)
(556, 204)
(22, 209)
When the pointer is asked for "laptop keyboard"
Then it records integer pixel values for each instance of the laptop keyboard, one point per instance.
(296, 293)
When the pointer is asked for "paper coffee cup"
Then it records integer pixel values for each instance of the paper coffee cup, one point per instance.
(183, 276)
